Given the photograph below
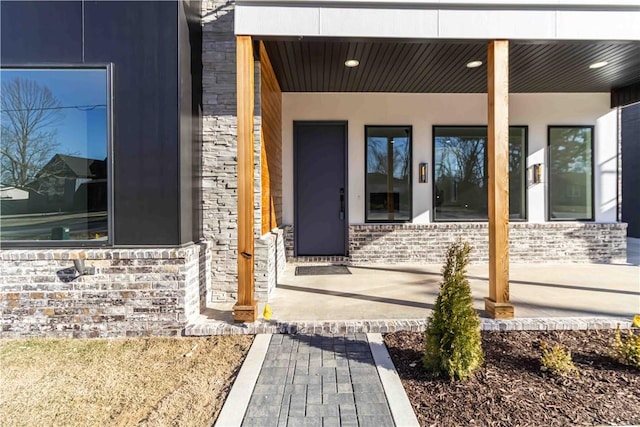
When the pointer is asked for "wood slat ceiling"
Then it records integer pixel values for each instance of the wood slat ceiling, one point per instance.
(439, 67)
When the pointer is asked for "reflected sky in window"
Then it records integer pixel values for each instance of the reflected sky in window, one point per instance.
(81, 129)
(53, 169)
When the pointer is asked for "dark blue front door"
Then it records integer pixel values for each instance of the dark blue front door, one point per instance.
(320, 188)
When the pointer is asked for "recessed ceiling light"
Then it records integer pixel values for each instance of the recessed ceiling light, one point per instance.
(351, 63)
(474, 64)
(599, 64)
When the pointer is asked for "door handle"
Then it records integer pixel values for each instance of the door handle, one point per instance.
(342, 204)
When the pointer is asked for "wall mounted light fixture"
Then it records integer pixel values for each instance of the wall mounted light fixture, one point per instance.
(423, 172)
(82, 269)
(534, 174)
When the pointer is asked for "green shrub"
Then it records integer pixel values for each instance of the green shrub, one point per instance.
(627, 350)
(556, 360)
(453, 344)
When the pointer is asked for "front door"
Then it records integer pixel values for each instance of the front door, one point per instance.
(320, 188)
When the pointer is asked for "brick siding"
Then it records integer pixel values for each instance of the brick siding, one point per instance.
(132, 293)
(529, 242)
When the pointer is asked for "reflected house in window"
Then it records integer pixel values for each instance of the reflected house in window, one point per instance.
(9, 192)
(13, 200)
(70, 184)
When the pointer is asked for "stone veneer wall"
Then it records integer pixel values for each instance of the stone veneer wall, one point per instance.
(529, 242)
(133, 292)
(270, 263)
(219, 149)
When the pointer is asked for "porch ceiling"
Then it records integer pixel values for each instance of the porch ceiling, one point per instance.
(439, 67)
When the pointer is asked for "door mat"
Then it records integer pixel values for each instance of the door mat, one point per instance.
(321, 270)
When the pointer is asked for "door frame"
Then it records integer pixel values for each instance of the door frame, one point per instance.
(345, 125)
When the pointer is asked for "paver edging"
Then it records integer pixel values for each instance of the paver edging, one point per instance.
(206, 327)
(237, 401)
(401, 409)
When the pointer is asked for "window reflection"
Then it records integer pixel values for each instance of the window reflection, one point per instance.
(570, 189)
(461, 181)
(388, 181)
(54, 154)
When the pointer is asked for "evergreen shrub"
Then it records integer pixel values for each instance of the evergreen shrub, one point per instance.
(453, 344)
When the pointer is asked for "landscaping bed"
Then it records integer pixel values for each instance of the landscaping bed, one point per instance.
(147, 381)
(511, 390)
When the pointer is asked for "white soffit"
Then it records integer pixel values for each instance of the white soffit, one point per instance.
(444, 19)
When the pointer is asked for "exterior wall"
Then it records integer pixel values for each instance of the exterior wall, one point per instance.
(422, 111)
(270, 262)
(133, 292)
(156, 132)
(219, 148)
(427, 243)
(152, 144)
(631, 168)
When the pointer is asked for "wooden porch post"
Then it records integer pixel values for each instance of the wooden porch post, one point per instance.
(497, 305)
(246, 309)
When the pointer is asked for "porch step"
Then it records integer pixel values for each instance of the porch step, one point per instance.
(205, 327)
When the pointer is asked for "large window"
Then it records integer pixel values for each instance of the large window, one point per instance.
(570, 173)
(460, 173)
(388, 181)
(53, 157)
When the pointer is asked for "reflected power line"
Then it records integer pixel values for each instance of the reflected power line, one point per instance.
(68, 107)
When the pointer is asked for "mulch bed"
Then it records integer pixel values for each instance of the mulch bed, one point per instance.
(511, 390)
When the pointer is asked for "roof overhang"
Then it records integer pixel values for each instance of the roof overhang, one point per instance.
(420, 46)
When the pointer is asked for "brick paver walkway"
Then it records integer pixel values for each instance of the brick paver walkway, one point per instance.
(318, 380)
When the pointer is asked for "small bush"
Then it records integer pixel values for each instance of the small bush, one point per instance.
(556, 360)
(453, 344)
(627, 350)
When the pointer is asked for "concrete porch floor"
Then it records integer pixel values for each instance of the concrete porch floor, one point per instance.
(409, 291)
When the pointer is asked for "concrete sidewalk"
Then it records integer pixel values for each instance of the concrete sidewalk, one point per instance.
(317, 380)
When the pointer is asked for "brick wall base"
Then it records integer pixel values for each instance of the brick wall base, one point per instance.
(133, 292)
(427, 243)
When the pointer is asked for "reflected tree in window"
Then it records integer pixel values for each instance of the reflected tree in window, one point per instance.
(570, 170)
(388, 179)
(460, 176)
(53, 154)
(29, 115)
(461, 181)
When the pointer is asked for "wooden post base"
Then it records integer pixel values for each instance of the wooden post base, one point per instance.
(498, 310)
(245, 313)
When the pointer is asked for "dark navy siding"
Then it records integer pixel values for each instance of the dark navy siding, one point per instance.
(631, 169)
(154, 134)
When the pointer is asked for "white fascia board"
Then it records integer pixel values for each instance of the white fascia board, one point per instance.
(277, 20)
(491, 24)
(357, 18)
(391, 23)
(553, 4)
(597, 25)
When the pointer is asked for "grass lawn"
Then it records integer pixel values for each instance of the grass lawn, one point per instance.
(145, 381)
